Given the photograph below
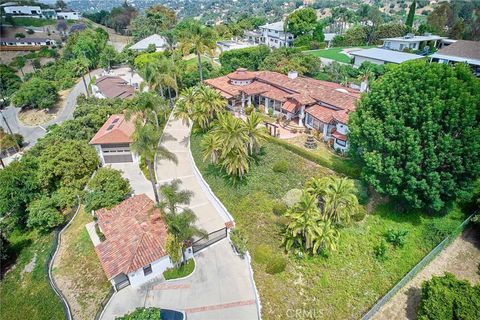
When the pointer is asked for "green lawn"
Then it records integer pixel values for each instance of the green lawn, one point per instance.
(183, 271)
(78, 271)
(27, 294)
(348, 282)
(32, 22)
(333, 53)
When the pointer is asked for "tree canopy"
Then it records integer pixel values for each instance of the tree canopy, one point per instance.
(249, 58)
(284, 60)
(106, 189)
(156, 19)
(302, 21)
(9, 81)
(36, 93)
(418, 133)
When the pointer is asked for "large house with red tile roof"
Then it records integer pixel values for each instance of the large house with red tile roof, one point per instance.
(316, 104)
(113, 140)
(135, 235)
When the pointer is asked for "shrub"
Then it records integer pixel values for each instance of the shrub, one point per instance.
(263, 253)
(292, 197)
(362, 192)
(249, 110)
(380, 251)
(276, 265)
(396, 237)
(142, 314)
(280, 166)
(279, 208)
(30, 31)
(239, 240)
(19, 35)
(36, 93)
(360, 215)
(449, 298)
(43, 214)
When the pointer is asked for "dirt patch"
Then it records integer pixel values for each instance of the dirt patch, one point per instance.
(35, 117)
(460, 258)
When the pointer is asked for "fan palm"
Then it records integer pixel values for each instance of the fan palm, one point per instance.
(307, 228)
(149, 105)
(181, 225)
(256, 132)
(199, 39)
(231, 132)
(145, 144)
(210, 101)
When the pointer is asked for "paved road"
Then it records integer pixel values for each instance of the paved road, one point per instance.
(138, 182)
(32, 133)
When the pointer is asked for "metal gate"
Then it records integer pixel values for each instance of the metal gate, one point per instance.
(121, 281)
(209, 239)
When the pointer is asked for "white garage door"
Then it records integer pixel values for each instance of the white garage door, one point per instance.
(117, 153)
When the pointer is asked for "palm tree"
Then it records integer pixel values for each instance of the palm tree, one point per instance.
(256, 132)
(232, 133)
(167, 75)
(148, 105)
(336, 197)
(236, 163)
(145, 144)
(201, 40)
(210, 102)
(365, 74)
(173, 196)
(181, 225)
(211, 147)
(307, 228)
(185, 105)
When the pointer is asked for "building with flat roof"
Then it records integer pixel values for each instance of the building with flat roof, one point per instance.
(381, 56)
(158, 41)
(412, 42)
(460, 51)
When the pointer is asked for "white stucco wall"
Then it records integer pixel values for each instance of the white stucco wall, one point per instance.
(359, 60)
(68, 15)
(137, 278)
(28, 10)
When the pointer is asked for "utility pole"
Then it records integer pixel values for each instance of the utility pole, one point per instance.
(6, 123)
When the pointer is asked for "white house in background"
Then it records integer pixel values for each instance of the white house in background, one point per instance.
(23, 10)
(112, 142)
(411, 41)
(227, 45)
(68, 15)
(135, 235)
(154, 39)
(273, 35)
(381, 56)
(461, 51)
(26, 42)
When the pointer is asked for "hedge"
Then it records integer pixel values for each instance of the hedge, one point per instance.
(340, 166)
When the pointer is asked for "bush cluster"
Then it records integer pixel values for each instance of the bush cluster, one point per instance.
(281, 166)
(239, 240)
(264, 254)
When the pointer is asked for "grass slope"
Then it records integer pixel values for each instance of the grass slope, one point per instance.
(31, 22)
(333, 53)
(348, 282)
(77, 270)
(27, 294)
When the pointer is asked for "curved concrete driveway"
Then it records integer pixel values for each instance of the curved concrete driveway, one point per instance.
(222, 285)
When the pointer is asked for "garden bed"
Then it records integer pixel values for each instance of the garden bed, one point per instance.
(77, 270)
(181, 272)
(343, 285)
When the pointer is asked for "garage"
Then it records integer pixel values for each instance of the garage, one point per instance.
(116, 153)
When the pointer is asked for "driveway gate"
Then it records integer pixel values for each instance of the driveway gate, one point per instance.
(209, 239)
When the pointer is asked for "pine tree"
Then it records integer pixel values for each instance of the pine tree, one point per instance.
(411, 15)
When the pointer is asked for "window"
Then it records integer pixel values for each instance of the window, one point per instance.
(147, 270)
(341, 142)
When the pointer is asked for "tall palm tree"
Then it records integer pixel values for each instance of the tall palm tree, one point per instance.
(307, 228)
(173, 196)
(256, 132)
(199, 39)
(145, 144)
(149, 105)
(336, 197)
(365, 74)
(167, 75)
(185, 105)
(182, 226)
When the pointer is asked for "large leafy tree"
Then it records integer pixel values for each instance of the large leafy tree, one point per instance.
(284, 60)
(156, 19)
(9, 82)
(106, 189)
(418, 133)
(249, 58)
(43, 214)
(36, 93)
(302, 21)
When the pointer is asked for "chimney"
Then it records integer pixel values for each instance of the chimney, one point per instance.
(292, 74)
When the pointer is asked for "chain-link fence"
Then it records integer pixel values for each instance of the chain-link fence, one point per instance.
(415, 270)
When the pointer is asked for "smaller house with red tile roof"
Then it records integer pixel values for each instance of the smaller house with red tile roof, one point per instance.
(135, 235)
(112, 87)
(113, 140)
(316, 104)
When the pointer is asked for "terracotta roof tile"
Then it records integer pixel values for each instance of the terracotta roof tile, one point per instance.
(135, 236)
(322, 113)
(114, 87)
(115, 130)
